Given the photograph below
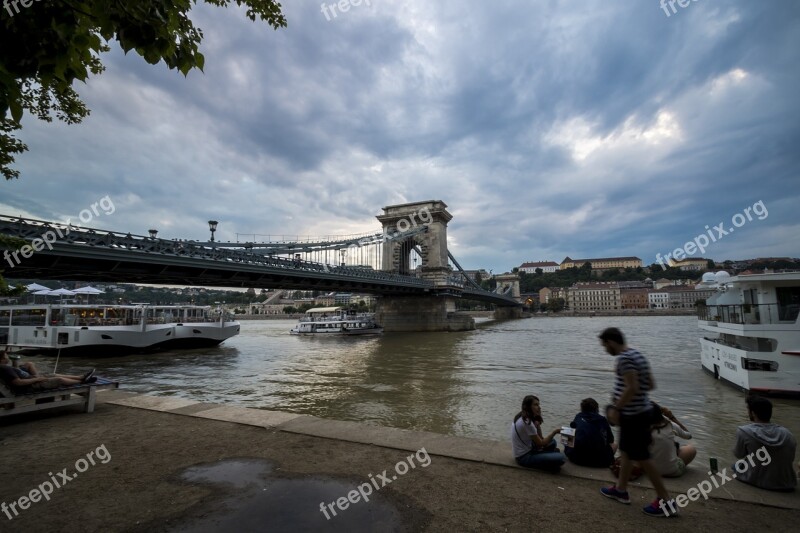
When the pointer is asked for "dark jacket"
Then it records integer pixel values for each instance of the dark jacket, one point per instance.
(593, 438)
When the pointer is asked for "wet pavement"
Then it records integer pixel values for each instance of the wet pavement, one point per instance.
(251, 495)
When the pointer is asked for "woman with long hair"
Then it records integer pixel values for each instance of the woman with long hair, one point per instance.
(531, 448)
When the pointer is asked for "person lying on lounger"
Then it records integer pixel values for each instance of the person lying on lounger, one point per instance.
(26, 378)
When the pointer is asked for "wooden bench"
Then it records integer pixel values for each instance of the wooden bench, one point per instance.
(83, 394)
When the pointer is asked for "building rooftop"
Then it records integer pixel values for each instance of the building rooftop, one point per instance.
(538, 264)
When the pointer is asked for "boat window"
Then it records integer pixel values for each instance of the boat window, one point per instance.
(788, 303)
(29, 317)
(759, 364)
(767, 345)
(5, 317)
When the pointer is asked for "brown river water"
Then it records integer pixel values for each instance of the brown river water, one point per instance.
(468, 384)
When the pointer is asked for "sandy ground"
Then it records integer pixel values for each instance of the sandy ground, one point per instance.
(140, 487)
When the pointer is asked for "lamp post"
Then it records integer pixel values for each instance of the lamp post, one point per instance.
(212, 226)
(153, 233)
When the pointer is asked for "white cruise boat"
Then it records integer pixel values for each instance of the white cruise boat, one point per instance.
(112, 329)
(753, 332)
(336, 321)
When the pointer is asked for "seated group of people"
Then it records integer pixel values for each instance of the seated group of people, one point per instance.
(26, 377)
(594, 445)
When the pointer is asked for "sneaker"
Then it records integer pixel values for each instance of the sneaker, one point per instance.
(89, 374)
(661, 508)
(612, 492)
(92, 379)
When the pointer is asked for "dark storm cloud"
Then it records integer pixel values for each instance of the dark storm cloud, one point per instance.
(549, 128)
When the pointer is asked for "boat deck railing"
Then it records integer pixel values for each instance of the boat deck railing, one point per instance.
(750, 313)
(336, 318)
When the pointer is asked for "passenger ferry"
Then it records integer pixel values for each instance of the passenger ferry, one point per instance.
(336, 321)
(753, 340)
(112, 329)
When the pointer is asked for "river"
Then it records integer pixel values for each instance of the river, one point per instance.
(468, 384)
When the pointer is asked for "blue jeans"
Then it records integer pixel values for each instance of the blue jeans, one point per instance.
(549, 458)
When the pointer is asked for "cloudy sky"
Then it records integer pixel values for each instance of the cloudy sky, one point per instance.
(550, 128)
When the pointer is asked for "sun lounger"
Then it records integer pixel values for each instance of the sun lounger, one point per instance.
(83, 394)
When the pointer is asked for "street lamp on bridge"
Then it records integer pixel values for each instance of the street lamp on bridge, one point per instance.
(153, 233)
(212, 226)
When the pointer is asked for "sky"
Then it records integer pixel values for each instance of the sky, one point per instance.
(549, 128)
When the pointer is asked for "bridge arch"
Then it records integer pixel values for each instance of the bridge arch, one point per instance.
(432, 243)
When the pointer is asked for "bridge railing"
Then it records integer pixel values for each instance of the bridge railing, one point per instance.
(30, 229)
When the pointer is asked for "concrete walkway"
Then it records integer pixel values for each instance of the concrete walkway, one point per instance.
(469, 449)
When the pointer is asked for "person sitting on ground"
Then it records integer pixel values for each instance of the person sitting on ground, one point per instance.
(26, 378)
(531, 449)
(594, 440)
(771, 449)
(669, 457)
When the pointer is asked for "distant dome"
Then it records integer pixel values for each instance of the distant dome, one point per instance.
(722, 276)
(709, 277)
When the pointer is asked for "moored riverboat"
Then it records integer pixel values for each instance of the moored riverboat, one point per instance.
(112, 329)
(753, 331)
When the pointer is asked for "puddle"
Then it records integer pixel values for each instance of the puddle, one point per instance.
(252, 498)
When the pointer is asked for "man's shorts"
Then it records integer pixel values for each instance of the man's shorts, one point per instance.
(51, 383)
(634, 435)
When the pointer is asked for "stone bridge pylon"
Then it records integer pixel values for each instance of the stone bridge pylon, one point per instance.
(430, 312)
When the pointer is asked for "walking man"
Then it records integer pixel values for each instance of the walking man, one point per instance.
(633, 412)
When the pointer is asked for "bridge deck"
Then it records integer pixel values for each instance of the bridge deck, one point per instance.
(85, 254)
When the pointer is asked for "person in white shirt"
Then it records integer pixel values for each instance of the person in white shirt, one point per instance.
(669, 457)
(531, 449)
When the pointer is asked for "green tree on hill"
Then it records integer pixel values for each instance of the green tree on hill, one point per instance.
(556, 305)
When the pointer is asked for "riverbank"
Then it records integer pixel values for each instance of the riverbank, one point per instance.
(467, 484)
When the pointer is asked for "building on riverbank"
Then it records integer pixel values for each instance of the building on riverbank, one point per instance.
(602, 263)
(595, 296)
(547, 267)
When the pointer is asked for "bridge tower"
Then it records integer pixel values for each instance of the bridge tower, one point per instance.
(510, 283)
(506, 282)
(431, 312)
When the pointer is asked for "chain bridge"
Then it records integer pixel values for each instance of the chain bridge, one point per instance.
(418, 298)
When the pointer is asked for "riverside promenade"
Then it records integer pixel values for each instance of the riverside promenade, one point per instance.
(148, 463)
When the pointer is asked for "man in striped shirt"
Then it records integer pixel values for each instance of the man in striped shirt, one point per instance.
(633, 412)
